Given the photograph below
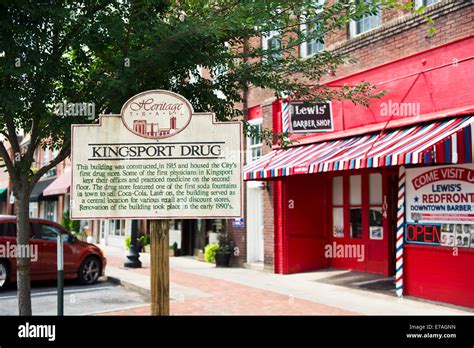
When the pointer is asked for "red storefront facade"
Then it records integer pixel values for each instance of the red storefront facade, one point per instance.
(339, 190)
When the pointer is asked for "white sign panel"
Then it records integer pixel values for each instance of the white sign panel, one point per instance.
(440, 205)
(157, 159)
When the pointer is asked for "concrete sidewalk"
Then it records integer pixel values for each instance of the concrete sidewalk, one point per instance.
(201, 288)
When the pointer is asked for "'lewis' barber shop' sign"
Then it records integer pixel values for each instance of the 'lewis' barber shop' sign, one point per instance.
(308, 117)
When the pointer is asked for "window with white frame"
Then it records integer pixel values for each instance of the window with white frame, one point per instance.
(313, 46)
(366, 23)
(117, 227)
(272, 41)
(254, 144)
(419, 3)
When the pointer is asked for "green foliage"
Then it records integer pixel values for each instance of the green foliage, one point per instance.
(145, 240)
(66, 221)
(71, 225)
(225, 243)
(210, 252)
(103, 52)
(128, 242)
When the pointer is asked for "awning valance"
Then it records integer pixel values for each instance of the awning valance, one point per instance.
(37, 192)
(59, 186)
(444, 141)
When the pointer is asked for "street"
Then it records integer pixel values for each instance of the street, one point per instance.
(78, 300)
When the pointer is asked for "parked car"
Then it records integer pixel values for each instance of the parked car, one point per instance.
(82, 261)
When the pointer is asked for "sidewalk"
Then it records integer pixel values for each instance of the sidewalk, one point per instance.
(199, 288)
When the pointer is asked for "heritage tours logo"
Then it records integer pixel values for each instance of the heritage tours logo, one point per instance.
(156, 114)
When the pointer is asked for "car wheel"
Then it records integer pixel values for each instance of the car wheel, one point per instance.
(4, 274)
(90, 270)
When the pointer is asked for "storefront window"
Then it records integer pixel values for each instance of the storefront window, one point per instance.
(356, 222)
(375, 189)
(49, 212)
(363, 198)
(33, 209)
(117, 227)
(375, 209)
(355, 199)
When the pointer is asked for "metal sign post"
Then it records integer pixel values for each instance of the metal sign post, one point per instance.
(60, 263)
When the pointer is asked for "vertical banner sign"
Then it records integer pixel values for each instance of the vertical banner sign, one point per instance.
(440, 206)
(400, 230)
(157, 159)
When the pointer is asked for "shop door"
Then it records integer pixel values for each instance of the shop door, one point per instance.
(306, 222)
(254, 225)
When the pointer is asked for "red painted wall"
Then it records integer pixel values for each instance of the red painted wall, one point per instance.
(437, 80)
(435, 273)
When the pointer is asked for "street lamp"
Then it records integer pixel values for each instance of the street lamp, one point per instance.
(133, 255)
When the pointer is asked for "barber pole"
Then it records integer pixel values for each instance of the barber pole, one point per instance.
(400, 232)
(285, 114)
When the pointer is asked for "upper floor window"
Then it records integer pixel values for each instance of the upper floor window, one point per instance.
(366, 23)
(420, 3)
(45, 156)
(254, 144)
(315, 45)
(272, 41)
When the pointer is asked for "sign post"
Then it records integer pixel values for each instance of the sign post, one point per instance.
(157, 160)
(60, 264)
(160, 280)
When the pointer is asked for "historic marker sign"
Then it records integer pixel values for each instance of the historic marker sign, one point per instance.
(310, 117)
(157, 159)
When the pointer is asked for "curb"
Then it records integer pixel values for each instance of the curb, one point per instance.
(130, 286)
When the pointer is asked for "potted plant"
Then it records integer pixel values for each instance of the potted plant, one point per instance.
(145, 243)
(224, 252)
(210, 252)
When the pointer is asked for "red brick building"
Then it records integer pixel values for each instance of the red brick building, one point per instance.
(290, 218)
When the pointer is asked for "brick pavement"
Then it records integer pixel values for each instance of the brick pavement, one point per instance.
(228, 298)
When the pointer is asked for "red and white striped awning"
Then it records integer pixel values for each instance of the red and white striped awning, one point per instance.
(444, 141)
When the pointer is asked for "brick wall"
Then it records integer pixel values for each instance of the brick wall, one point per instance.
(268, 212)
(402, 34)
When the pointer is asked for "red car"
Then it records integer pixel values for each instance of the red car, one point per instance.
(82, 261)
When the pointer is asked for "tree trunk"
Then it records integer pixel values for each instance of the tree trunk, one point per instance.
(22, 240)
(160, 282)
